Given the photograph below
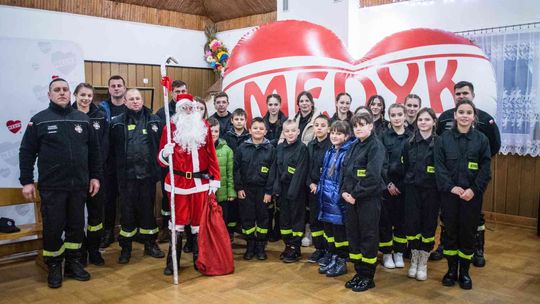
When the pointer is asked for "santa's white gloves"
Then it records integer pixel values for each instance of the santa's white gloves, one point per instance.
(212, 189)
(168, 150)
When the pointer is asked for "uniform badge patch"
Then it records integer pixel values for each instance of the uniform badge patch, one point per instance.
(78, 129)
(154, 127)
(96, 125)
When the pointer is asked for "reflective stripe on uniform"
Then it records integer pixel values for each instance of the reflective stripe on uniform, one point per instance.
(165, 213)
(248, 231)
(414, 237)
(386, 244)
(450, 252)
(400, 240)
(428, 240)
(56, 253)
(286, 231)
(481, 228)
(298, 233)
(369, 260)
(231, 224)
(262, 230)
(148, 231)
(128, 234)
(317, 233)
(328, 238)
(97, 227)
(355, 256)
(72, 246)
(464, 256)
(341, 244)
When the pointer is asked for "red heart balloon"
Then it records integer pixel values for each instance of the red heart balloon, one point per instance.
(13, 125)
(287, 57)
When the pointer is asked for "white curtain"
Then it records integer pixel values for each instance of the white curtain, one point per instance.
(515, 55)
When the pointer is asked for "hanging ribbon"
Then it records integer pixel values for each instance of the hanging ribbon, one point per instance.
(166, 82)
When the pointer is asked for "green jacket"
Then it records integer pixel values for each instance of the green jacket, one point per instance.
(225, 160)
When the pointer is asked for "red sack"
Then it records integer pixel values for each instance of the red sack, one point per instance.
(215, 251)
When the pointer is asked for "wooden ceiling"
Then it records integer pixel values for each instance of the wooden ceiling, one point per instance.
(215, 10)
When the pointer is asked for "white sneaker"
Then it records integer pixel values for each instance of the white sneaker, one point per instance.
(388, 262)
(398, 260)
(306, 240)
(421, 274)
(414, 264)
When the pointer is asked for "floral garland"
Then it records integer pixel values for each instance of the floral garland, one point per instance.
(215, 53)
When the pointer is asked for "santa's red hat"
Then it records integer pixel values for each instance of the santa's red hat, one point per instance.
(183, 98)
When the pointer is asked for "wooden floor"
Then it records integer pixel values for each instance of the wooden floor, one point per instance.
(512, 275)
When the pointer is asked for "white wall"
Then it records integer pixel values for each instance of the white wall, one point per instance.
(370, 25)
(104, 39)
(230, 38)
(331, 14)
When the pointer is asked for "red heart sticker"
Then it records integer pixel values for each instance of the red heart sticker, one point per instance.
(287, 57)
(14, 125)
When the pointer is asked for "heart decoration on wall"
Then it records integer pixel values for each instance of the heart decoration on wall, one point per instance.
(14, 125)
(287, 57)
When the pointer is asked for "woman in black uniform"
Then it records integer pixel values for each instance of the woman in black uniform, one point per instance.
(462, 170)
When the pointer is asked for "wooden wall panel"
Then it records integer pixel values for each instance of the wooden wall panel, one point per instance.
(116, 10)
(198, 80)
(254, 20)
(514, 189)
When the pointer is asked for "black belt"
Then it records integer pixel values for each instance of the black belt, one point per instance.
(190, 175)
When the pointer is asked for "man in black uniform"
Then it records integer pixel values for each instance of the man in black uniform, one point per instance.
(113, 107)
(178, 87)
(134, 143)
(221, 102)
(69, 166)
(485, 124)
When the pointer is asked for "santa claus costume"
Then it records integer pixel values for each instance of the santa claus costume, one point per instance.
(196, 170)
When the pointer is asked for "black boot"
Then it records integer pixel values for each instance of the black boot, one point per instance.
(465, 281)
(54, 278)
(95, 258)
(107, 239)
(195, 250)
(92, 246)
(478, 258)
(74, 269)
(352, 282)
(188, 246)
(260, 249)
(366, 280)
(169, 267)
(450, 277)
(125, 254)
(340, 268)
(153, 250)
(250, 249)
(294, 254)
(285, 251)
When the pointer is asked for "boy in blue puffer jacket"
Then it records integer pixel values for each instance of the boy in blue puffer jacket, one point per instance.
(332, 206)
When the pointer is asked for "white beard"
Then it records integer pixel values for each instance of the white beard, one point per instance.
(191, 131)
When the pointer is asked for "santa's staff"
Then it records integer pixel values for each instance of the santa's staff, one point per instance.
(166, 82)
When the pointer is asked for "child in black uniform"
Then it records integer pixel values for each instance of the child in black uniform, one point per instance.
(361, 188)
(422, 200)
(392, 223)
(462, 169)
(238, 133)
(316, 150)
(291, 163)
(254, 173)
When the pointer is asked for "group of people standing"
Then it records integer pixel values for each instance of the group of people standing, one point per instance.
(364, 184)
